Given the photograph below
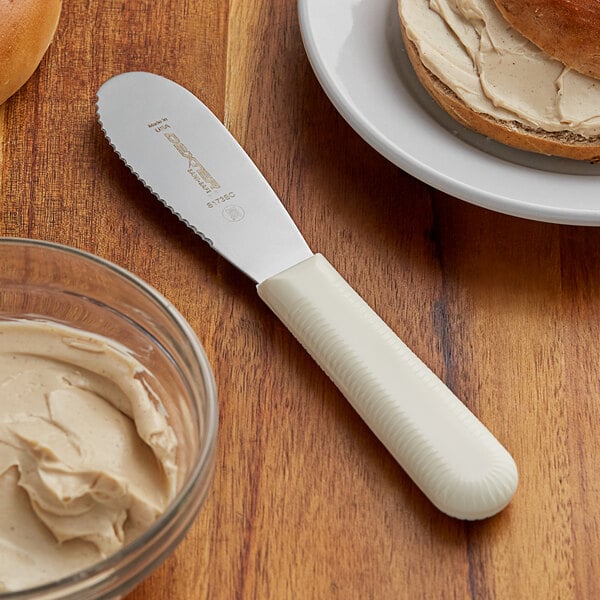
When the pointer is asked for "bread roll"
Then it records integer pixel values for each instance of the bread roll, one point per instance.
(26, 30)
(501, 104)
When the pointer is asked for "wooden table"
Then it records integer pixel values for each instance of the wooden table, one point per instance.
(306, 503)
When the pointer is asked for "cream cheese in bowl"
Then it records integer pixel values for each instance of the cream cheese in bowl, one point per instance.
(108, 421)
(87, 461)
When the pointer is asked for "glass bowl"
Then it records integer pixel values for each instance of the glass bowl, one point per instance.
(46, 281)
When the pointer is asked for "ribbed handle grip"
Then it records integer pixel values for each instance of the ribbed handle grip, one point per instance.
(445, 449)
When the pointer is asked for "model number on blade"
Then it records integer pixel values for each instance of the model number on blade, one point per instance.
(220, 200)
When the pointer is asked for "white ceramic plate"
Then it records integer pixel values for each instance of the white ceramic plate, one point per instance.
(356, 51)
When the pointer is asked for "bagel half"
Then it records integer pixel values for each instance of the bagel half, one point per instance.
(565, 143)
(26, 30)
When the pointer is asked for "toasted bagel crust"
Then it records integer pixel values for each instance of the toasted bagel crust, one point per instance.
(26, 30)
(568, 30)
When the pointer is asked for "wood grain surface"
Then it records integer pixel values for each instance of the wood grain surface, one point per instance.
(306, 503)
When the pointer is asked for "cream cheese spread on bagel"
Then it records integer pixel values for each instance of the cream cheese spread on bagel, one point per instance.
(494, 70)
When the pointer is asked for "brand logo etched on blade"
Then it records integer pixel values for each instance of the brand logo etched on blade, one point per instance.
(195, 168)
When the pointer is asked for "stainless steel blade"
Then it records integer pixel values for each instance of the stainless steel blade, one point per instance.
(150, 120)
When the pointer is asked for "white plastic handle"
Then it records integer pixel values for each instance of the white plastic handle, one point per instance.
(459, 465)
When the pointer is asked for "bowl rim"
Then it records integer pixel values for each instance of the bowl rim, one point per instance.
(205, 462)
